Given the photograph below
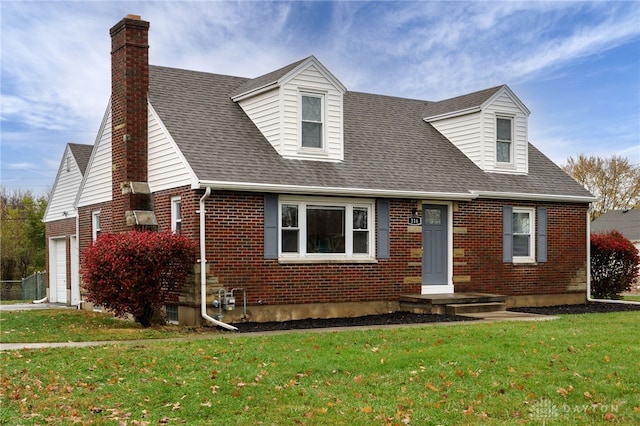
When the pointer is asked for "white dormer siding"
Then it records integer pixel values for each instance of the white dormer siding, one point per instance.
(167, 167)
(65, 188)
(473, 131)
(265, 110)
(96, 186)
(503, 106)
(277, 112)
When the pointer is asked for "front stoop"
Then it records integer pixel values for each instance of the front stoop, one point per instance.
(452, 304)
(474, 308)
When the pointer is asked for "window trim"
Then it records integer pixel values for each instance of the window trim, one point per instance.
(349, 205)
(95, 225)
(323, 137)
(532, 234)
(176, 207)
(511, 120)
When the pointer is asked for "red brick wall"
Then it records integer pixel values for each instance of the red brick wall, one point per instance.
(235, 247)
(84, 216)
(235, 255)
(482, 245)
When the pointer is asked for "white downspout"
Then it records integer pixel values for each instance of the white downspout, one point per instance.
(203, 267)
(589, 298)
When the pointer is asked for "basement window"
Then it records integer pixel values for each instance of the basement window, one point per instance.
(171, 312)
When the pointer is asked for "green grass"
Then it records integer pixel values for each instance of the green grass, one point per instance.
(72, 325)
(579, 370)
(14, 302)
(632, 298)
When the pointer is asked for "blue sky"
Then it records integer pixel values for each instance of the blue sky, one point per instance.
(576, 65)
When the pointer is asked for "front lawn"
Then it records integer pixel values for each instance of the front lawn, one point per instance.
(72, 325)
(579, 370)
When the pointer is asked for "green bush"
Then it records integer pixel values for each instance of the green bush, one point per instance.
(614, 265)
(137, 272)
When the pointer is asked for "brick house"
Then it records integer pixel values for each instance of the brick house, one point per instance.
(314, 201)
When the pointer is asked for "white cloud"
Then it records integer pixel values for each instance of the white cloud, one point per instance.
(56, 55)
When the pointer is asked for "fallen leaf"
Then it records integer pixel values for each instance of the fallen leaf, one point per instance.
(609, 417)
(367, 409)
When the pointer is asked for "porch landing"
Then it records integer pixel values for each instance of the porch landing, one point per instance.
(452, 304)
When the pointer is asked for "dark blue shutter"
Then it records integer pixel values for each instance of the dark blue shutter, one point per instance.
(542, 234)
(270, 226)
(507, 234)
(383, 251)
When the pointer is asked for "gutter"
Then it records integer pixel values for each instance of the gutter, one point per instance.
(335, 191)
(203, 267)
(533, 197)
(589, 298)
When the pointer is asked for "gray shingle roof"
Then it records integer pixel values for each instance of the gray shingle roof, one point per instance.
(627, 222)
(387, 144)
(266, 79)
(459, 103)
(82, 154)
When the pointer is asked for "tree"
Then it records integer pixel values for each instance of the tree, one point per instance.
(137, 272)
(22, 233)
(614, 265)
(614, 180)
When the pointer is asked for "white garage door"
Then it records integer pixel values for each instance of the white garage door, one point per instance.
(59, 271)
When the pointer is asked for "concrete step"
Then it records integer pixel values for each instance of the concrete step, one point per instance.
(468, 308)
(453, 298)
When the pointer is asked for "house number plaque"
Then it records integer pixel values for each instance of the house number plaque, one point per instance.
(415, 220)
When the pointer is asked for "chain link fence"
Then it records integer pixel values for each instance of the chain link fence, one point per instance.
(33, 287)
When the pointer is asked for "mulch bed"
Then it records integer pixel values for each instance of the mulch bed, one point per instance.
(367, 320)
(409, 318)
(588, 308)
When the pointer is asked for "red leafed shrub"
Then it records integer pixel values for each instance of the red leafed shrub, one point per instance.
(614, 265)
(136, 272)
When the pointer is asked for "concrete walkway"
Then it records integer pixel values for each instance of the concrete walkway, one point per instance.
(32, 306)
(481, 317)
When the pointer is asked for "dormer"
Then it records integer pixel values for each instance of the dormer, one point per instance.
(298, 109)
(490, 127)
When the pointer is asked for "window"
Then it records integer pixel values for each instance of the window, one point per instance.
(95, 225)
(325, 228)
(504, 139)
(176, 215)
(171, 312)
(311, 121)
(523, 234)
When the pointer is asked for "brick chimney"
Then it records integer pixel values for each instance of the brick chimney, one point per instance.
(131, 198)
